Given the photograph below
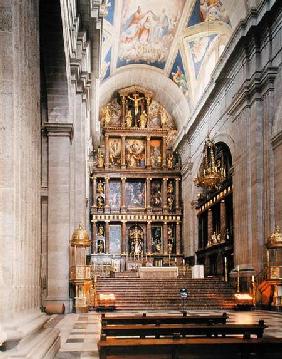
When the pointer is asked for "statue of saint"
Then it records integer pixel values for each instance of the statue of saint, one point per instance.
(106, 115)
(128, 119)
(164, 118)
(100, 202)
(169, 161)
(143, 120)
(100, 159)
(170, 187)
(100, 231)
(100, 246)
(170, 203)
(136, 237)
(100, 187)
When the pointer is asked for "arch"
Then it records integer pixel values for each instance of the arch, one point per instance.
(166, 92)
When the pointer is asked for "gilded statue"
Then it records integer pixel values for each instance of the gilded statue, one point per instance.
(100, 159)
(170, 187)
(128, 119)
(170, 203)
(106, 115)
(164, 118)
(101, 231)
(100, 246)
(169, 161)
(136, 100)
(143, 120)
(100, 202)
(100, 187)
(136, 238)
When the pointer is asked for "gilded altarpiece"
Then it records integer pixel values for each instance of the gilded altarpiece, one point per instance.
(136, 209)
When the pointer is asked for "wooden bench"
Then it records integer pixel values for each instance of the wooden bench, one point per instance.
(171, 348)
(182, 330)
(161, 319)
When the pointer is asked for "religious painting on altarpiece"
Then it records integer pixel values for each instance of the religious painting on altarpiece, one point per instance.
(115, 192)
(115, 238)
(135, 153)
(156, 194)
(115, 152)
(156, 157)
(157, 240)
(135, 194)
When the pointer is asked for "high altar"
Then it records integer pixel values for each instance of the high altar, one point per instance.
(136, 182)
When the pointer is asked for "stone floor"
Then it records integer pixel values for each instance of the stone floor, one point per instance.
(80, 332)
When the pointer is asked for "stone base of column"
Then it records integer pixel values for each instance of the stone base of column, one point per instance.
(42, 343)
(67, 302)
(26, 337)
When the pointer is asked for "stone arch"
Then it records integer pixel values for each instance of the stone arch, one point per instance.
(166, 92)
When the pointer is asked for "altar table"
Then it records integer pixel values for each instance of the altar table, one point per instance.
(158, 272)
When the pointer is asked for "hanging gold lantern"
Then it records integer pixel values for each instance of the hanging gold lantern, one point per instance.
(211, 172)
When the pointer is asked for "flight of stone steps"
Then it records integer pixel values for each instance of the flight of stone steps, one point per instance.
(163, 294)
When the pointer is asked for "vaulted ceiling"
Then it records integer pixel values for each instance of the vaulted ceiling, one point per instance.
(166, 41)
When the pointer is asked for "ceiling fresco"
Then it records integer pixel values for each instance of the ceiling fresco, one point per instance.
(175, 37)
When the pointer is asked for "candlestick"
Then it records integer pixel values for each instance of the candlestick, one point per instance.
(238, 278)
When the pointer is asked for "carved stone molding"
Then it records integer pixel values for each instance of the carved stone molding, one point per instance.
(58, 129)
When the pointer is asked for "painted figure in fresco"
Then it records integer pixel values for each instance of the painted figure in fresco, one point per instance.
(213, 10)
(133, 25)
(143, 120)
(100, 158)
(178, 77)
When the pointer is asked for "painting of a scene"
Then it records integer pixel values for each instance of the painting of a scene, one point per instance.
(115, 152)
(135, 194)
(156, 157)
(208, 10)
(135, 153)
(147, 31)
(115, 190)
(156, 239)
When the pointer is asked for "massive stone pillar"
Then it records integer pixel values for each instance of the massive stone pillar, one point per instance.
(59, 231)
(20, 186)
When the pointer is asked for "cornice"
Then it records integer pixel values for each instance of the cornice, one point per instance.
(277, 140)
(58, 129)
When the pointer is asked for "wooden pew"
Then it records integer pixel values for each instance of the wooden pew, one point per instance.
(161, 319)
(171, 348)
(182, 330)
